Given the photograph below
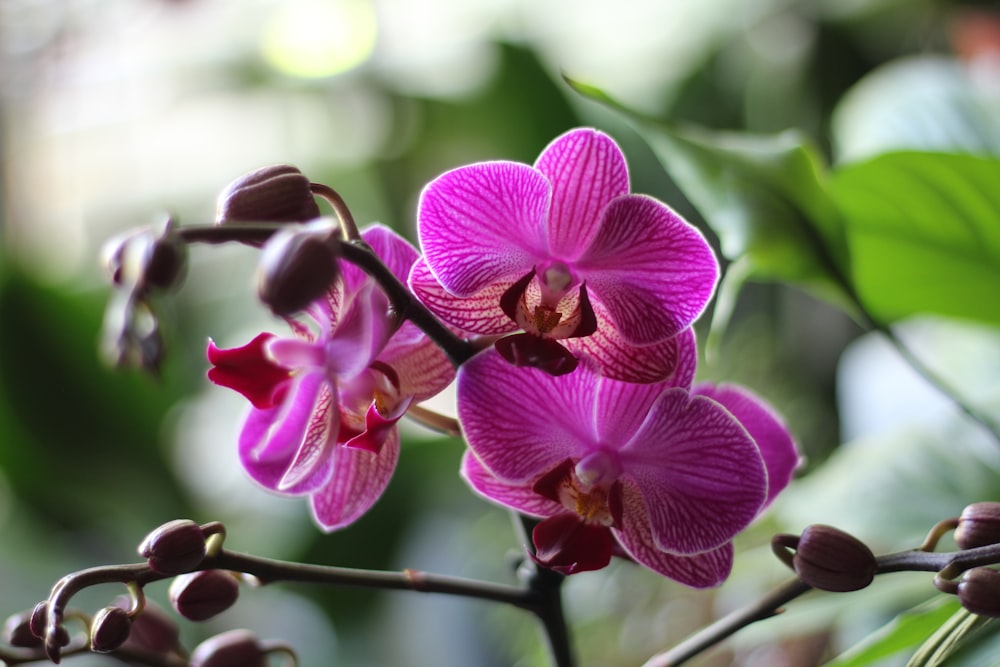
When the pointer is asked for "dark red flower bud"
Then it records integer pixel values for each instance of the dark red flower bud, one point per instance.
(236, 648)
(38, 619)
(198, 596)
(109, 629)
(17, 631)
(829, 559)
(979, 591)
(175, 547)
(297, 266)
(278, 193)
(153, 630)
(978, 526)
(148, 258)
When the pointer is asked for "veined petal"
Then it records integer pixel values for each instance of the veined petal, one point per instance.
(361, 332)
(482, 224)
(478, 314)
(393, 250)
(587, 170)
(698, 570)
(271, 439)
(652, 270)
(519, 497)
(521, 422)
(774, 440)
(699, 472)
(672, 360)
(378, 428)
(422, 367)
(358, 479)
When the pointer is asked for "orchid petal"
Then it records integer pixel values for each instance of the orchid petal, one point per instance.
(652, 270)
(587, 170)
(519, 497)
(702, 570)
(521, 422)
(395, 252)
(478, 314)
(672, 360)
(270, 440)
(567, 544)
(378, 428)
(699, 472)
(479, 225)
(359, 477)
(423, 367)
(249, 371)
(361, 333)
(777, 448)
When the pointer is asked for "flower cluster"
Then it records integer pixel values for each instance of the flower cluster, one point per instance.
(579, 410)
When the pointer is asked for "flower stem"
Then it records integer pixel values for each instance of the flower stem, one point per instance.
(913, 560)
(347, 224)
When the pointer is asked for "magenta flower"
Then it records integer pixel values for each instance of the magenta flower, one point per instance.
(561, 251)
(663, 473)
(326, 402)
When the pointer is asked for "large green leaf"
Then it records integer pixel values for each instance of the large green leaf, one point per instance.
(924, 234)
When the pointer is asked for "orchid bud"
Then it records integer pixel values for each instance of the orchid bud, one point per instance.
(198, 596)
(278, 193)
(146, 258)
(829, 559)
(38, 619)
(297, 266)
(175, 547)
(109, 629)
(17, 631)
(153, 630)
(979, 591)
(978, 526)
(236, 648)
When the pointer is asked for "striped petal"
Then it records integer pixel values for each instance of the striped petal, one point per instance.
(519, 497)
(587, 170)
(652, 270)
(482, 225)
(699, 472)
(478, 314)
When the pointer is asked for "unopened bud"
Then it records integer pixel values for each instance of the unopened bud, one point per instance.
(297, 266)
(978, 526)
(109, 629)
(153, 630)
(236, 648)
(175, 547)
(829, 559)
(148, 258)
(17, 631)
(979, 591)
(38, 619)
(278, 193)
(198, 596)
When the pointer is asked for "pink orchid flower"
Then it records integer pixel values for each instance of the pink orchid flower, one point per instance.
(325, 402)
(662, 473)
(563, 252)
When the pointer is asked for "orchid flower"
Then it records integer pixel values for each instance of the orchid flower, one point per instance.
(561, 251)
(325, 402)
(663, 473)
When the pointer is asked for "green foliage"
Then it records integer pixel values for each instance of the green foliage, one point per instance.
(909, 629)
(924, 234)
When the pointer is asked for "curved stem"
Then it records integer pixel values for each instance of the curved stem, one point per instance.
(913, 560)
(344, 215)
(434, 420)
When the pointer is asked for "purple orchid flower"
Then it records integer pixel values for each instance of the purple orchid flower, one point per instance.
(662, 473)
(561, 251)
(326, 402)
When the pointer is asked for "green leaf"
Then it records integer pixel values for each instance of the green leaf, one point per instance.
(948, 639)
(763, 195)
(924, 234)
(907, 630)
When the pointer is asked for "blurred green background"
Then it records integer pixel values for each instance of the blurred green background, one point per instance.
(114, 111)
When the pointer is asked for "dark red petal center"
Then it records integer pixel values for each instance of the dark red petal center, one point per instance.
(567, 544)
(249, 371)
